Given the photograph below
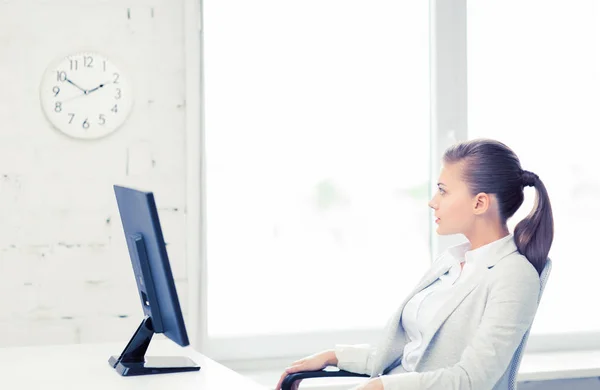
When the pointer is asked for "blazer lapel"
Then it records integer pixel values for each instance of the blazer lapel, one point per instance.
(464, 289)
(389, 348)
(458, 295)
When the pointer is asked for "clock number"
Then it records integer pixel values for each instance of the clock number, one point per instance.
(74, 64)
(104, 65)
(56, 90)
(72, 116)
(58, 107)
(116, 76)
(61, 75)
(101, 119)
(88, 61)
(114, 109)
(118, 93)
(85, 124)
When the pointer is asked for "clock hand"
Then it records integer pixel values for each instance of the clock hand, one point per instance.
(98, 87)
(73, 97)
(77, 86)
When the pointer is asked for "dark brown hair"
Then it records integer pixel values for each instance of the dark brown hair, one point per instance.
(492, 167)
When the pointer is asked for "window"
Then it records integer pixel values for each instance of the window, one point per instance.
(317, 158)
(533, 84)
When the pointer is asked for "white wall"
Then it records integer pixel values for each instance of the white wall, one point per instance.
(65, 275)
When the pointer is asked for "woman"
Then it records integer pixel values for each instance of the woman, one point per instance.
(462, 324)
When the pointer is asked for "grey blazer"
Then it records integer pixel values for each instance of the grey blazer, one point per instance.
(471, 340)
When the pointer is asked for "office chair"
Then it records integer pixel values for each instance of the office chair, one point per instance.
(514, 364)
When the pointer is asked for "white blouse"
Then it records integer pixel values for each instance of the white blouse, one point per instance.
(422, 307)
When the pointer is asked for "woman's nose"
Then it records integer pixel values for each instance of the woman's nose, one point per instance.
(432, 204)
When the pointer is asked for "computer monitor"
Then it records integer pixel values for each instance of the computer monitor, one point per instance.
(162, 313)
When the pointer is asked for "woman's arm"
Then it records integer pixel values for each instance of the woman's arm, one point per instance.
(356, 358)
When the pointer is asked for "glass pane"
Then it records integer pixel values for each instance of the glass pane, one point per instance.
(317, 138)
(533, 84)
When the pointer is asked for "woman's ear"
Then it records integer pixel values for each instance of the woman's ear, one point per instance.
(481, 203)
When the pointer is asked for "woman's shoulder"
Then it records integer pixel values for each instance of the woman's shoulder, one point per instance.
(515, 270)
(515, 262)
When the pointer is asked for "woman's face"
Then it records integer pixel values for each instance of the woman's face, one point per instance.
(452, 203)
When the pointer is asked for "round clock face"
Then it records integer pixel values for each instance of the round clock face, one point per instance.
(85, 95)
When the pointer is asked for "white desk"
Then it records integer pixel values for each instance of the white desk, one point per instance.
(85, 367)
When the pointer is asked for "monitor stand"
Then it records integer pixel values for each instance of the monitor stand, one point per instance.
(133, 361)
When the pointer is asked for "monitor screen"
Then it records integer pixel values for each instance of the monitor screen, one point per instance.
(155, 284)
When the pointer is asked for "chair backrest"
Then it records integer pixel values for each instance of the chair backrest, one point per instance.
(516, 360)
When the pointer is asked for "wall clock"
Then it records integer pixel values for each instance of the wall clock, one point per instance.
(85, 95)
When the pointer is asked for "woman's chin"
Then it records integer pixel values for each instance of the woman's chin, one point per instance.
(440, 231)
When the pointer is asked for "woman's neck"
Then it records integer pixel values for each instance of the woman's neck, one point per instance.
(485, 234)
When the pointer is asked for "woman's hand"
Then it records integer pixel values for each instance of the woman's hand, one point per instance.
(372, 384)
(314, 362)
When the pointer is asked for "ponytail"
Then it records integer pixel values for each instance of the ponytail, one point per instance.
(534, 234)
